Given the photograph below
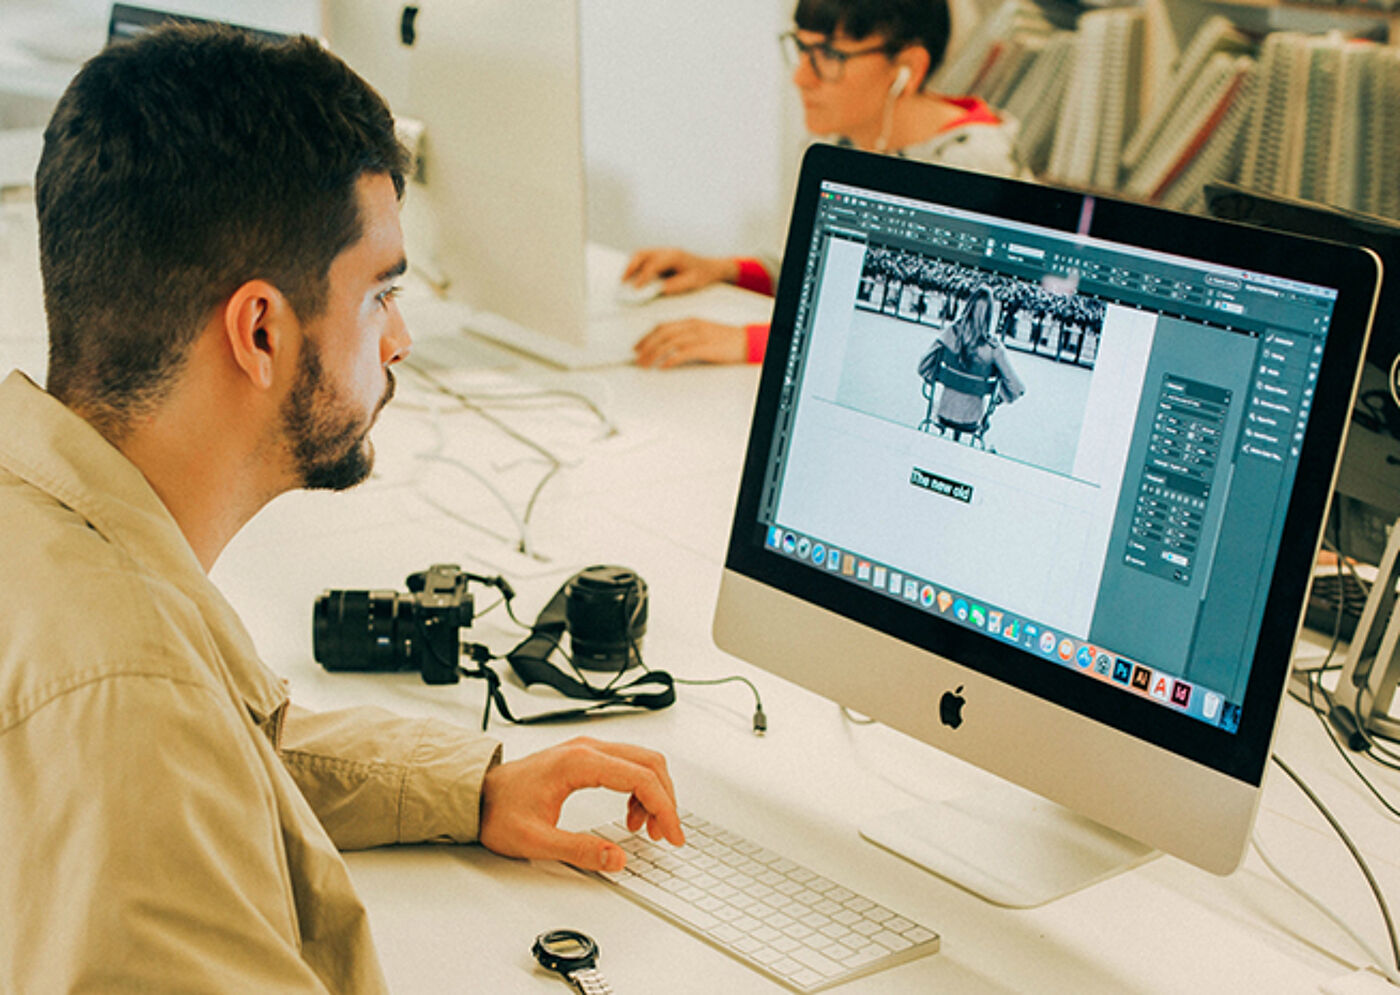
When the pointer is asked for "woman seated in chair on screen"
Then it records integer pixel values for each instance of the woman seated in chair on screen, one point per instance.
(969, 370)
(862, 69)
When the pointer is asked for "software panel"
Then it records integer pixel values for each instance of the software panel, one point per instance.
(1368, 487)
(1038, 479)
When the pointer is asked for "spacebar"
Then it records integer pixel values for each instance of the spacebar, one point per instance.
(673, 904)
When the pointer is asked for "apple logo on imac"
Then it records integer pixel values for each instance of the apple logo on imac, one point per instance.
(950, 707)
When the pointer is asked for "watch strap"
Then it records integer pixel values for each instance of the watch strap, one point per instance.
(589, 981)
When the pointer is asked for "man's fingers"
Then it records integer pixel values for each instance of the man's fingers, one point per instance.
(647, 789)
(583, 850)
(634, 771)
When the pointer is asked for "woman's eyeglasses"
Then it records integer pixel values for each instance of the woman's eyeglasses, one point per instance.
(827, 62)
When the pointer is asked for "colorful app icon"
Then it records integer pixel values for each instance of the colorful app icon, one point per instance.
(1103, 665)
(1012, 631)
(775, 537)
(833, 560)
(863, 570)
(978, 615)
(1122, 671)
(880, 577)
(944, 600)
(911, 589)
(1142, 677)
(960, 610)
(804, 547)
(848, 566)
(818, 554)
(1085, 656)
(1162, 688)
(896, 582)
(927, 595)
(994, 622)
(1047, 642)
(789, 542)
(1181, 694)
(1066, 648)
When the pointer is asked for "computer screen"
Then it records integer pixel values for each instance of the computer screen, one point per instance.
(1038, 478)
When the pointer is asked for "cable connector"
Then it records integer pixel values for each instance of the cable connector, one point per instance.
(1344, 721)
(760, 720)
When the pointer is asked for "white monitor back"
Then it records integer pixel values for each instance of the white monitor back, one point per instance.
(495, 85)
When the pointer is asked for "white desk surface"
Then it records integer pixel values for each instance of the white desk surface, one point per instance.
(657, 497)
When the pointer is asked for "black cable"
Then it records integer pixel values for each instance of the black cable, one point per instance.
(1355, 853)
(1314, 686)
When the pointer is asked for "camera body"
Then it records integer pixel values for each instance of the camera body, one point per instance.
(381, 631)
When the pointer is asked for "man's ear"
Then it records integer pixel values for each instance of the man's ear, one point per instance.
(260, 327)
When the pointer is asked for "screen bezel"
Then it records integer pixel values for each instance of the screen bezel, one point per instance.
(1353, 272)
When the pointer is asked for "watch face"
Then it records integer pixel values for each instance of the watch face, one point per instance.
(565, 950)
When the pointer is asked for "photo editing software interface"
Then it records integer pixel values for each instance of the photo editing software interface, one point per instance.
(1110, 502)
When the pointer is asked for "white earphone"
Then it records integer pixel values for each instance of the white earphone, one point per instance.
(901, 80)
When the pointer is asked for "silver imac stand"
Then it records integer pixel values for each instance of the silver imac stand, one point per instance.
(1007, 845)
(1372, 669)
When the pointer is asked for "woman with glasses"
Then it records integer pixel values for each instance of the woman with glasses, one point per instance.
(861, 68)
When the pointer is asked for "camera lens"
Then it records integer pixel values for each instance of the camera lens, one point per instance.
(605, 610)
(364, 631)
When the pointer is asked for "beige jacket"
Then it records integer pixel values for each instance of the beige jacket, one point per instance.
(167, 822)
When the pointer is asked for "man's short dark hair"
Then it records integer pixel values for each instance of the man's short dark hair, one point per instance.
(177, 167)
(899, 22)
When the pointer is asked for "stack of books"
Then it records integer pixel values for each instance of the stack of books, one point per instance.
(1115, 105)
(1326, 123)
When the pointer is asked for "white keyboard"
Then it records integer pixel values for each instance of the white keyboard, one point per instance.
(797, 927)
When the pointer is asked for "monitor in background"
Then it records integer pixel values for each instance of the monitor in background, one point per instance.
(1367, 502)
(1084, 575)
(496, 216)
(127, 21)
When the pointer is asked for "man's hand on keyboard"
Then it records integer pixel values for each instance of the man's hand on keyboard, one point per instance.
(521, 801)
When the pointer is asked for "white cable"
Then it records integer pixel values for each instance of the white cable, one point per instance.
(435, 455)
(1376, 960)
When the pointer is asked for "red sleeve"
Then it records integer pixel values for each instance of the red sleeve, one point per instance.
(753, 276)
(758, 341)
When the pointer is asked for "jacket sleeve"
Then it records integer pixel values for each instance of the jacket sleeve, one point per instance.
(375, 778)
(149, 847)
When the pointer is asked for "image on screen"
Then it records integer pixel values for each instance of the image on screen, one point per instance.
(1067, 445)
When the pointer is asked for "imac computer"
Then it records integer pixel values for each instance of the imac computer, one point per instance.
(1038, 478)
(496, 216)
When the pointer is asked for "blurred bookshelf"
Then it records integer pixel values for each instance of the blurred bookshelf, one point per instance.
(1153, 100)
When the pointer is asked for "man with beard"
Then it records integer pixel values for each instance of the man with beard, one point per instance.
(219, 242)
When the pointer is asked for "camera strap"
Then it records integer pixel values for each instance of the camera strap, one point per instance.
(530, 660)
(626, 696)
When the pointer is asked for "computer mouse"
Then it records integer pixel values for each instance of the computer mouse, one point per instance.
(630, 294)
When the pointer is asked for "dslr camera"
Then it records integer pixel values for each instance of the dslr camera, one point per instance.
(379, 631)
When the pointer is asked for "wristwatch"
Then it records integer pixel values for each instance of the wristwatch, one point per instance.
(575, 956)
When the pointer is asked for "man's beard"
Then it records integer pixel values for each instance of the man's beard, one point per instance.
(329, 438)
